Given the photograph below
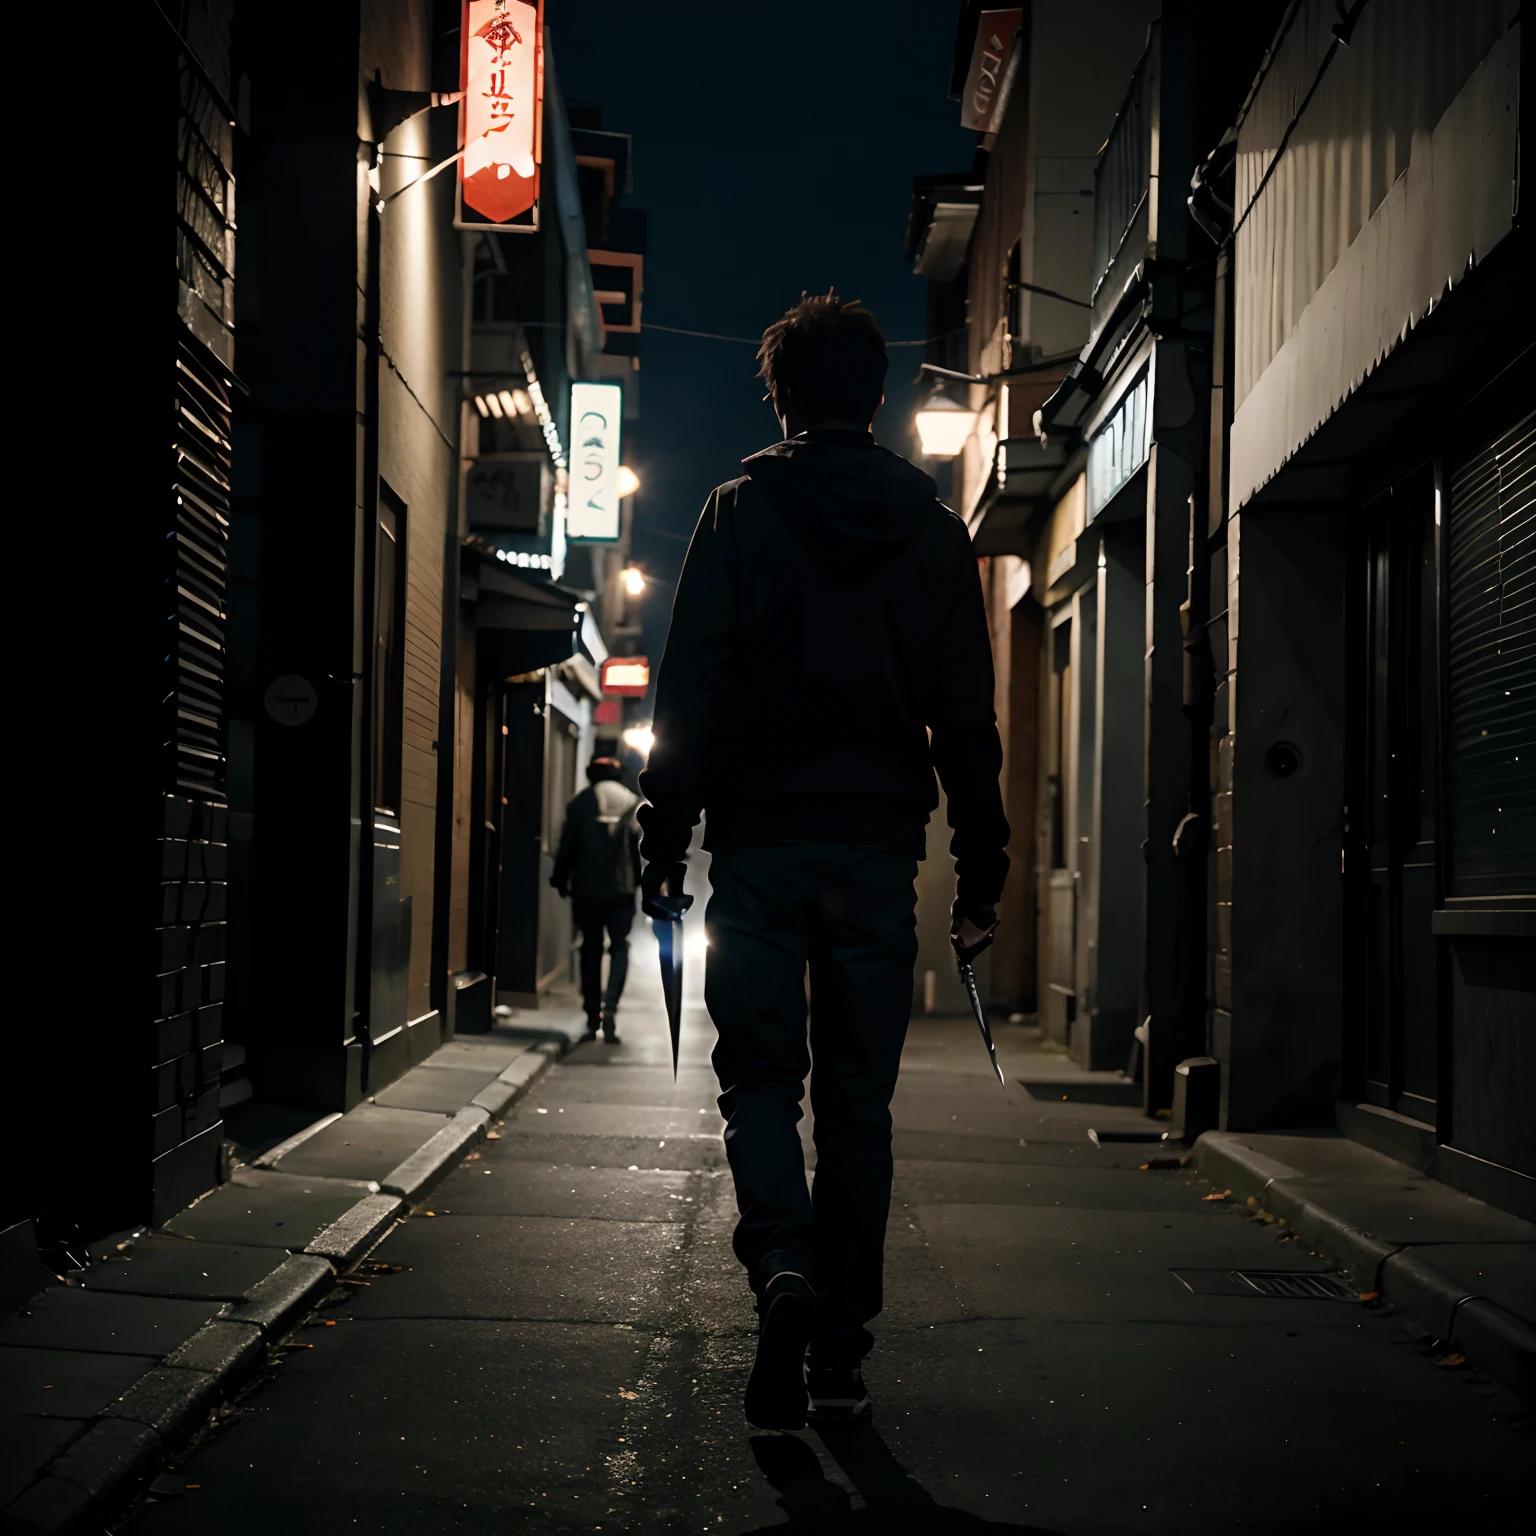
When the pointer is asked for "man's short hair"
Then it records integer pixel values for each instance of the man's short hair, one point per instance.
(828, 354)
(604, 768)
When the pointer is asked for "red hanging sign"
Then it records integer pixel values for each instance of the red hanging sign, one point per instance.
(501, 72)
(626, 677)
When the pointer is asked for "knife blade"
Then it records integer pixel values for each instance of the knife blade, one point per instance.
(669, 939)
(968, 979)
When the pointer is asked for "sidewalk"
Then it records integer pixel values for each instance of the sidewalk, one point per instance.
(1461, 1270)
(105, 1375)
(1080, 1335)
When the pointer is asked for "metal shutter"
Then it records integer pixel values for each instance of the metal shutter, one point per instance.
(1492, 666)
(195, 688)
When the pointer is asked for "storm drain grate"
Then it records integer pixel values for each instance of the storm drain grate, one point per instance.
(1297, 1285)
(1282, 1284)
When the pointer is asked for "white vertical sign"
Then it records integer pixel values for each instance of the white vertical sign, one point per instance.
(596, 413)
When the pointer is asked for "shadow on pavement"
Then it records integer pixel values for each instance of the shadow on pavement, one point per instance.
(894, 1501)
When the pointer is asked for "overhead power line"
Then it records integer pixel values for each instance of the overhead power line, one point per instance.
(746, 341)
(757, 341)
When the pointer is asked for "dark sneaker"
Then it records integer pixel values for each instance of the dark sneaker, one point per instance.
(837, 1394)
(611, 1037)
(786, 1316)
(591, 1034)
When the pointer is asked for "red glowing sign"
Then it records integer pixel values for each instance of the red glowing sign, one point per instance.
(501, 72)
(626, 677)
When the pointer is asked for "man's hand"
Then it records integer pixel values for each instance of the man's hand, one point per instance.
(661, 891)
(972, 927)
(562, 887)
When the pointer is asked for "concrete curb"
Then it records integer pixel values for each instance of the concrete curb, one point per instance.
(1490, 1336)
(97, 1475)
(285, 1295)
(495, 1098)
(86, 1485)
(222, 1348)
(170, 1401)
(430, 1163)
(354, 1232)
(1503, 1344)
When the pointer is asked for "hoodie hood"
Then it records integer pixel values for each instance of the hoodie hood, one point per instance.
(852, 506)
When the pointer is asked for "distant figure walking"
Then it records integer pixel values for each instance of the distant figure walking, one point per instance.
(598, 866)
(828, 653)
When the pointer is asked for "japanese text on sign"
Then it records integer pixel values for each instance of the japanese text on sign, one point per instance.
(502, 78)
(596, 413)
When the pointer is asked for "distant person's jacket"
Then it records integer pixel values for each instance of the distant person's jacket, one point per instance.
(828, 653)
(598, 857)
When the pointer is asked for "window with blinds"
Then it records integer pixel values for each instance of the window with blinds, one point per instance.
(1491, 754)
(195, 699)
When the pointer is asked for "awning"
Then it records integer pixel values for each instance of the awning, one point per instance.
(1026, 484)
(526, 622)
(1065, 411)
(939, 224)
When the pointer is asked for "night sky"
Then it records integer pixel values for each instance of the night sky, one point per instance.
(774, 150)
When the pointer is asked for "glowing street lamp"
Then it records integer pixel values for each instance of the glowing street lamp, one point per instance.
(629, 481)
(639, 738)
(634, 580)
(943, 426)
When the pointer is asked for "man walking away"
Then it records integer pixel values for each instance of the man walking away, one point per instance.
(598, 865)
(828, 652)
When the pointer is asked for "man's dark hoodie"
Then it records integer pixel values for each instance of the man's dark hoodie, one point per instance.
(828, 652)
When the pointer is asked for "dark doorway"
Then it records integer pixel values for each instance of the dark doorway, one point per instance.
(486, 820)
(1059, 1001)
(390, 944)
(389, 652)
(1400, 831)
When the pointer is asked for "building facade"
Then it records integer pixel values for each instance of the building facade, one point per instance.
(1371, 560)
(1275, 368)
(356, 659)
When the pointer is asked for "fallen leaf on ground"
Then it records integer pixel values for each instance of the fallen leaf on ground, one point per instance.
(493, 1135)
(1217, 1194)
(473, 1157)
(630, 1396)
(294, 1344)
(1370, 1295)
(1450, 1362)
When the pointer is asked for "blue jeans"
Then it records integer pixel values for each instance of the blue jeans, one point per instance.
(846, 914)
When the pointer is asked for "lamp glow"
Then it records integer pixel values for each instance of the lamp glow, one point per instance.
(523, 401)
(629, 481)
(943, 426)
(495, 406)
(508, 404)
(634, 580)
(481, 406)
(640, 738)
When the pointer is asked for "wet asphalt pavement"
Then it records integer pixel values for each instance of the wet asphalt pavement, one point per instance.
(559, 1340)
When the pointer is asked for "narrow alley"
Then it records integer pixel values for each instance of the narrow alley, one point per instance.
(557, 1339)
(1016, 520)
